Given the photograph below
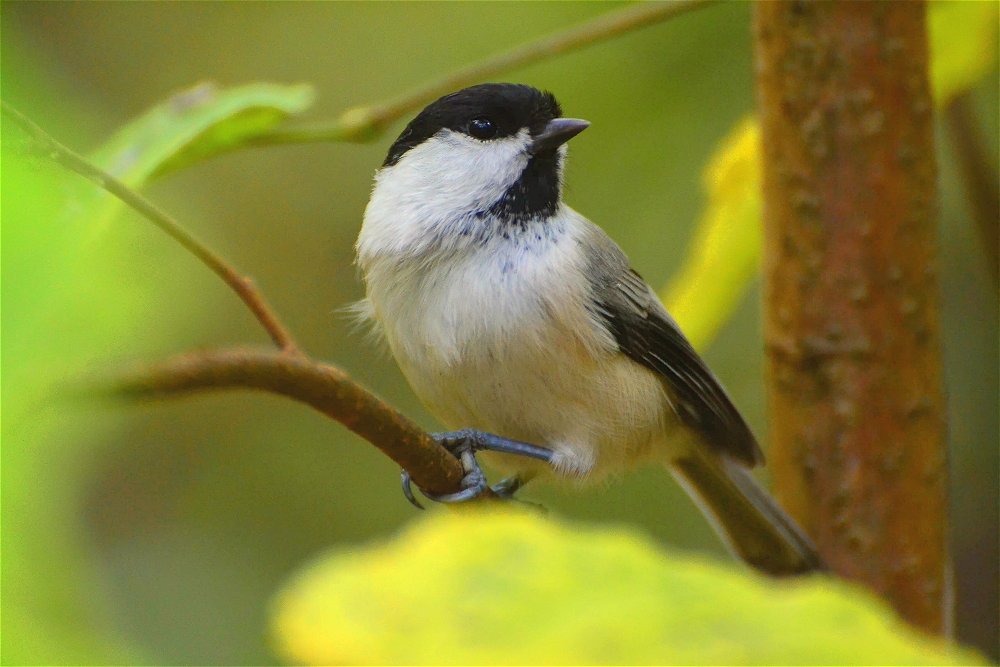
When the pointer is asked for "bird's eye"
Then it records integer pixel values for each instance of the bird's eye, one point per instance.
(482, 128)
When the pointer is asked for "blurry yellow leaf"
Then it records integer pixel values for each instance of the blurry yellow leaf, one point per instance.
(490, 585)
(963, 38)
(724, 251)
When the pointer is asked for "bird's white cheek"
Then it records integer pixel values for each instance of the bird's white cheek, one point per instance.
(456, 174)
(436, 186)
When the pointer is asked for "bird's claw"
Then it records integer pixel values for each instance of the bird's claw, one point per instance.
(464, 445)
(408, 489)
(473, 483)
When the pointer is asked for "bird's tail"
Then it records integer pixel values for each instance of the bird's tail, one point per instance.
(750, 522)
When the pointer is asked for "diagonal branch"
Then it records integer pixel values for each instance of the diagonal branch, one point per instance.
(44, 144)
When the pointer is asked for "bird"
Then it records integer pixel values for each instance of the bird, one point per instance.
(522, 326)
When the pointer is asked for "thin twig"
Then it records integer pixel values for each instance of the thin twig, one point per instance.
(46, 145)
(365, 123)
(324, 388)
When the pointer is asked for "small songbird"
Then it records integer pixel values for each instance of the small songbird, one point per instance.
(516, 319)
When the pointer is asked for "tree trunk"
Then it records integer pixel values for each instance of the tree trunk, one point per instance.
(851, 297)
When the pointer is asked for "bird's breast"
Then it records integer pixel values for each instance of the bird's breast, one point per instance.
(506, 298)
(501, 340)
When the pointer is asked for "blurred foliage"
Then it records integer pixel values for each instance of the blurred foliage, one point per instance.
(499, 586)
(157, 535)
(52, 601)
(40, 571)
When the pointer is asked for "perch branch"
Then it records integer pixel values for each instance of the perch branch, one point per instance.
(322, 387)
(45, 145)
(364, 123)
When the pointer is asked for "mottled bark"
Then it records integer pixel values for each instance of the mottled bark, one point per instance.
(858, 446)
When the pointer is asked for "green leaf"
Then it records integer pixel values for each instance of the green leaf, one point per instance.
(195, 124)
(190, 126)
(490, 585)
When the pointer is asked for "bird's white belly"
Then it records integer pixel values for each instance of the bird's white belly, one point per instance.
(503, 351)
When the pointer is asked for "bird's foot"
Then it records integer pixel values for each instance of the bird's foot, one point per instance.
(464, 445)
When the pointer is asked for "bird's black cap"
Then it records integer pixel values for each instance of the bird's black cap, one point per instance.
(509, 106)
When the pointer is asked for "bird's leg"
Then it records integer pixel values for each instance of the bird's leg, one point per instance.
(456, 441)
(464, 445)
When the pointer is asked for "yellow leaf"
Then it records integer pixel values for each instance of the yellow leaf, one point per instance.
(963, 37)
(493, 585)
(724, 251)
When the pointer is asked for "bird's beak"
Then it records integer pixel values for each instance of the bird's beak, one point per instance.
(556, 133)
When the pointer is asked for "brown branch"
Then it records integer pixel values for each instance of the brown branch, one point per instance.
(324, 388)
(858, 452)
(979, 171)
(45, 145)
(364, 123)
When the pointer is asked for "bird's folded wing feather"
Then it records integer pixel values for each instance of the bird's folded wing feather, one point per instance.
(647, 334)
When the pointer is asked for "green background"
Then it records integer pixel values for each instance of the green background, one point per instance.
(159, 532)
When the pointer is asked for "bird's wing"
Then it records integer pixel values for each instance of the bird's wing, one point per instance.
(647, 334)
